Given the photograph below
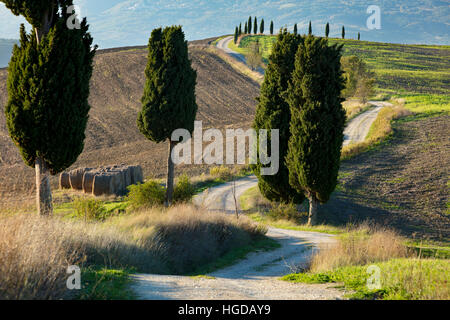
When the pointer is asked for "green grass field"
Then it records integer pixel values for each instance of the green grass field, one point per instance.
(400, 69)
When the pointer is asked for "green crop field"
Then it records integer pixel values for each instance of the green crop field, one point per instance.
(400, 69)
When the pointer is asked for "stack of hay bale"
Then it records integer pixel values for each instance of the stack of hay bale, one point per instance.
(102, 181)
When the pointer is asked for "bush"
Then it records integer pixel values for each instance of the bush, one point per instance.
(286, 212)
(89, 209)
(184, 190)
(146, 195)
(222, 172)
(363, 245)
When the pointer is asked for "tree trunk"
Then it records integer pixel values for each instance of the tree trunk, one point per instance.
(313, 207)
(47, 20)
(170, 175)
(43, 191)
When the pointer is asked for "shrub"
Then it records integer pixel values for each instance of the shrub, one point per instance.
(89, 209)
(363, 245)
(184, 189)
(144, 195)
(286, 212)
(222, 172)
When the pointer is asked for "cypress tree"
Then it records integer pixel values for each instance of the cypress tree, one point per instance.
(343, 32)
(261, 27)
(246, 29)
(48, 87)
(255, 26)
(310, 29)
(295, 29)
(240, 29)
(359, 36)
(236, 35)
(271, 27)
(327, 30)
(169, 101)
(273, 112)
(249, 24)
(317, 121)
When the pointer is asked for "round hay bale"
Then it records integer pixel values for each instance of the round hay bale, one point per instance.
(76, 179)
(102, 184)
(88, 181)
(64, 180)
(136, 174)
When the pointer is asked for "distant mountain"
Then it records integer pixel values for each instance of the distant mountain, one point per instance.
(116, 23)
(6, 46)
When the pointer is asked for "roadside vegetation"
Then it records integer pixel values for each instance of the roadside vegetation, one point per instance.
(403, 274)
(36, 252)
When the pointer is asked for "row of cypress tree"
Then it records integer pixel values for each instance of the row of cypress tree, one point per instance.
(252, 26)
(301, 96)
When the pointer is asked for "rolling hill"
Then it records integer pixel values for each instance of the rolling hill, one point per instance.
(224, 96)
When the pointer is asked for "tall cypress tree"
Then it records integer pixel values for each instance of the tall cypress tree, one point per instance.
(48, 87)
(240, 29)
(255, 26)
(295, 29)
(310, 29)
(317, 121)
(249, 25)
(343, 32)
(273, 112)
(236, 35)
(169, 101)
(327, 30)
(246, 29)
(261, 27)
(271, 27)
(359, 36)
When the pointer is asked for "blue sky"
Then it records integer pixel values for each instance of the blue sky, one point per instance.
(129, 22)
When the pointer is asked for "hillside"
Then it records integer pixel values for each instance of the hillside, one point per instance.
(399, 69)
(224, 96)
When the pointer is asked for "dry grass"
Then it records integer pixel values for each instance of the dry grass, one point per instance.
(354, 107)
(363, 245)
(380, 130)
(35, 252)
(33, 258)
(236, 65)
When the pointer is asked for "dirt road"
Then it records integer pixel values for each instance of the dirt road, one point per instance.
(223, 45)
(359, 127)
(257, 276)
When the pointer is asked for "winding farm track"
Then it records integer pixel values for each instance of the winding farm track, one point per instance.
(257, 276)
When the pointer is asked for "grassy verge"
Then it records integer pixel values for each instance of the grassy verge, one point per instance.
(279, 216)
(401, 279)
(380, 130)
(236, 65)
(99, 283)
(400, 273)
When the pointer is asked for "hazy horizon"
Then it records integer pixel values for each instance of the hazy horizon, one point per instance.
(118, 23)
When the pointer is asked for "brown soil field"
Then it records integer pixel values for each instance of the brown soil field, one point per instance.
(225, 98)
(402, 183)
